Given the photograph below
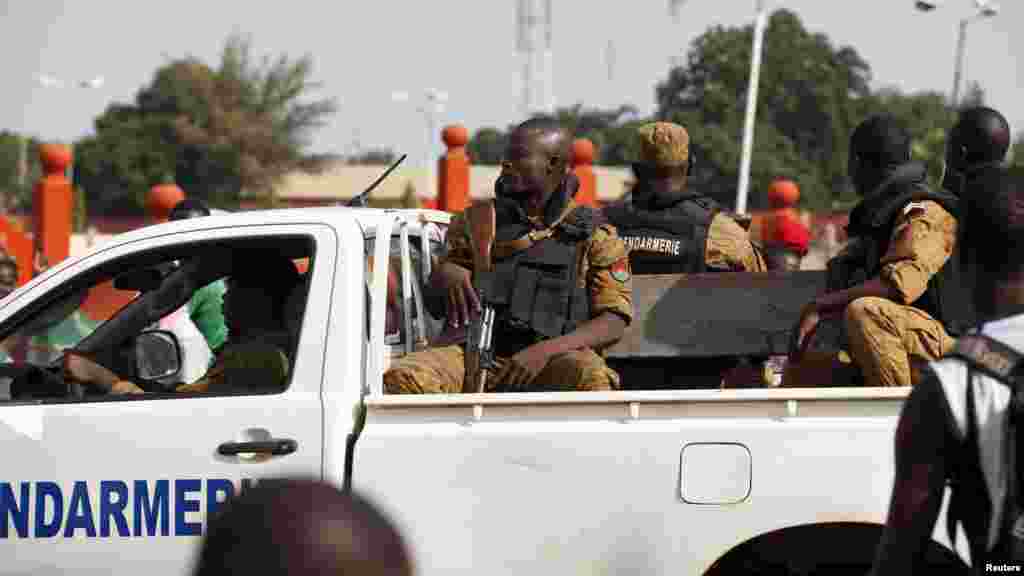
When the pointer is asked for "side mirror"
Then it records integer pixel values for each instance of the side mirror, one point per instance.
(157, 355)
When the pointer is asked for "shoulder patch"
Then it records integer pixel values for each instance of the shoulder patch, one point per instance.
(620, 269)
(914, 207)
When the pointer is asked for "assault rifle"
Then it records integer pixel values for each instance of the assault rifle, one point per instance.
(362, 199)
(480, 218)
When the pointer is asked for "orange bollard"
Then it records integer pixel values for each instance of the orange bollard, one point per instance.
(161, 199)
(582, 165)
(453, 171)
(51, 205)
(19, 246)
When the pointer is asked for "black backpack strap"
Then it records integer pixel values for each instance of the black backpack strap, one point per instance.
(964, 473)
(989, 356)
(983, 354)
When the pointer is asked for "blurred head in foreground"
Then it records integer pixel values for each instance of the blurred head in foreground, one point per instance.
(301, 527)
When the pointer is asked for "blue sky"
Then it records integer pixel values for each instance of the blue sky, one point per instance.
(363, 51)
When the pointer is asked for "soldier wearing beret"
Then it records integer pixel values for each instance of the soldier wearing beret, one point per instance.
(569, 264)
(670, 229)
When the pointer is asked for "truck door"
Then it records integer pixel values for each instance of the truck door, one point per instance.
(105, 484)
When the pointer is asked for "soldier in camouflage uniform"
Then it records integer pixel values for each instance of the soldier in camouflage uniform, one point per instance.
(896, 285)
(668, 228)
(552, 340)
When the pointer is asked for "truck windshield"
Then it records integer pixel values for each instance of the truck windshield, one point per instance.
(63, 324)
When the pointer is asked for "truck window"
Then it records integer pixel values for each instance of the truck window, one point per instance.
(184, 289)
(65, 324)
(395, 336)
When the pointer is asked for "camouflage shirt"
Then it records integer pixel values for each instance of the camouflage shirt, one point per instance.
(603, 265)
(922, 241)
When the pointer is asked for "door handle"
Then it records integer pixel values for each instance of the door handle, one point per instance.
(274, 447)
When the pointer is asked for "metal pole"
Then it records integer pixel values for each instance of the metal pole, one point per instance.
(429, 191)
(748, 124)
(22, 160)
(958, 71)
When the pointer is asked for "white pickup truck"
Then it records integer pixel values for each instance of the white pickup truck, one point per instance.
(673, 482)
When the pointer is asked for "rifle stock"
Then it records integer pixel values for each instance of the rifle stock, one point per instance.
(479, 353)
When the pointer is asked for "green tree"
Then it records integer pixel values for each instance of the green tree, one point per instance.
(487, 146)
(18, 153)
(1016, 155)
(811, 95)
(220, 132)
(374, 156)
(807, 106)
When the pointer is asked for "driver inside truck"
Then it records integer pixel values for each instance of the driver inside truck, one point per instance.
(256, 356)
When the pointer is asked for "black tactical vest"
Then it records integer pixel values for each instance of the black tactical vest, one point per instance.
(946, 299)
(535, 291)
(669, 241)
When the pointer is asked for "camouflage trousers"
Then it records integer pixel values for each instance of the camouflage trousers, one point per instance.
(441, 370)
(883, 336)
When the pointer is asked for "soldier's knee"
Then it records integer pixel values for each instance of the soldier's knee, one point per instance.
(566, 372)
(592, 372)
(865, 311)
(400, 381)
(406, 379)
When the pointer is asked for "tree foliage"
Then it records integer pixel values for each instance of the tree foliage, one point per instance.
(811, 95)
(373, 156)
(218, 132)
(17, 153)
(486, 146)
(1016, 154)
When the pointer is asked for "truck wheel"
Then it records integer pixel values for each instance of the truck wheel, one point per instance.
(839, 548)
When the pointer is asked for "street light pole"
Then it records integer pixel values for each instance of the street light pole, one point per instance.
(960, 39)
(748, 123)
(432, 105)
(985, 9)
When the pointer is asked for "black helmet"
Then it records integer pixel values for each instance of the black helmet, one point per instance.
(980, 137)
(189, 208)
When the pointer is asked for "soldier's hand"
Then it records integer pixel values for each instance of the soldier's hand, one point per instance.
(461, 297)
(81, 369)
(520, 370)
(805, 328)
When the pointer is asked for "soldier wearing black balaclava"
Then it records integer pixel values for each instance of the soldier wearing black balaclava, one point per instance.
(896, 286)
(980, 138)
